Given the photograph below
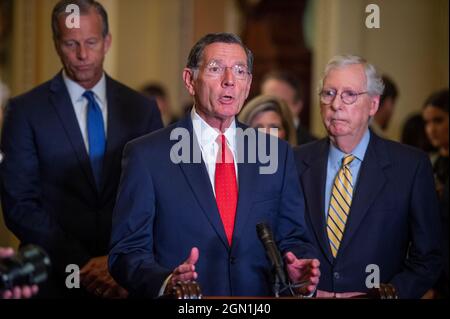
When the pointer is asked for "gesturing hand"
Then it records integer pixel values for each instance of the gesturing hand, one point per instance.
(185, 271)
(97, 280)
(300, 270)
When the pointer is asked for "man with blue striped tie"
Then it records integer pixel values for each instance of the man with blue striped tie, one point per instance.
(62, 145)
(370, 202)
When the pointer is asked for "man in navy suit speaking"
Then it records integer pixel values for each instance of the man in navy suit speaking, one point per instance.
(370, 202)
(62, 145)
(195, 218)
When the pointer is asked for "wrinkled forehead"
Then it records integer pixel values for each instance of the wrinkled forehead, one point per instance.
(346, 76)
(226, 53)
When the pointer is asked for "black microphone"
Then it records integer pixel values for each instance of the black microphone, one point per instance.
(266, 237)
(30, 266)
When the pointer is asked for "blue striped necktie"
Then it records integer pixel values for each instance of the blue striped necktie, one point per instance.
(96, 136)
(340, 203)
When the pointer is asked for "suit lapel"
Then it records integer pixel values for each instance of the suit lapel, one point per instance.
(115, 131)
(370, 182)
(198, 179)
(313, 182)
(60, 100)
(247, 176)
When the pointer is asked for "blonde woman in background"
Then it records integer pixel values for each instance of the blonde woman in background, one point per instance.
(266, 112)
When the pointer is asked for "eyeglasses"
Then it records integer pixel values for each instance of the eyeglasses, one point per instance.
(215, 69)
(347, 96)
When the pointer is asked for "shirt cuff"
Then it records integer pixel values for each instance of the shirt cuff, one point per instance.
(311, 294)
(164, 286)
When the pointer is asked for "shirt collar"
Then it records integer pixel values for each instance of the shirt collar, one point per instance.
(359, 152)
(76, 91)
(207, 134)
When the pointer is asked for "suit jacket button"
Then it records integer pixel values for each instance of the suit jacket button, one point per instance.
(232, 260)
(336, 275)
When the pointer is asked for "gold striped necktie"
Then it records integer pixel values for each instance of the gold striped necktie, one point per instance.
(340, 202)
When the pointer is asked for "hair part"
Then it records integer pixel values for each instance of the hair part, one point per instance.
(196, 54)
(85, 7)
(374, 83)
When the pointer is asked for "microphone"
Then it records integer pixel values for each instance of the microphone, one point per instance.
(266, 237)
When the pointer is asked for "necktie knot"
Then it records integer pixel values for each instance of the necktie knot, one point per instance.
(347, 159)
(224, 155)
(89, 95)
(221, 140)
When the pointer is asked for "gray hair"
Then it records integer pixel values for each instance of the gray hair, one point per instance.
(196, 53)
(85, 6)
(374, 82)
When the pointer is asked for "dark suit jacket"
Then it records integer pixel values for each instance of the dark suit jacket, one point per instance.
(49, 195)
(164, 209)
(303, 135)
(393, 220)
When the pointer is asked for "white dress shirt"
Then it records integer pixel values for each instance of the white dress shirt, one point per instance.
(80, 103)
(206, 138)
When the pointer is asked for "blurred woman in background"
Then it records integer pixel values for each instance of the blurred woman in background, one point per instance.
(435, 115)
(266, 112)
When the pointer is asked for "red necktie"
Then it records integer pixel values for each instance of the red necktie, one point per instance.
(225, 186)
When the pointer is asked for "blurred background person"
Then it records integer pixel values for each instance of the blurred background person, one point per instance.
(435, 115)
(413, 133)
(186, 108)
(382, 118)
(159, 93)
(286, 86)
(266, 112)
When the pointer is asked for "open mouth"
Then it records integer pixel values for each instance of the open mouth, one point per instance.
(226, 99)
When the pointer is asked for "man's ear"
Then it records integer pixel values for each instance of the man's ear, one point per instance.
(374, 104)
(249, 84)
(108, 40)
(188, 79)
(57, 45)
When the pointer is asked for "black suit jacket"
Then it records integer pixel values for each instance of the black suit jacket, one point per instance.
(49, 195)
(303, 135)
(393, 221)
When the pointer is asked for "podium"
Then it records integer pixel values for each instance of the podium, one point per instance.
(189, 290)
